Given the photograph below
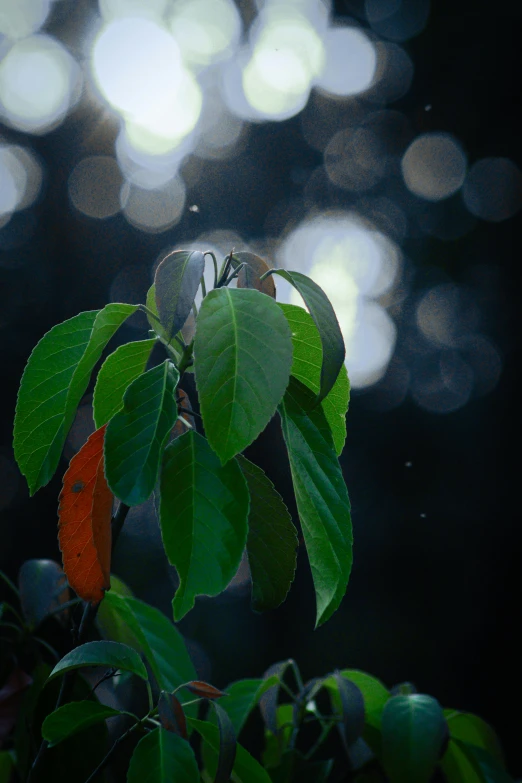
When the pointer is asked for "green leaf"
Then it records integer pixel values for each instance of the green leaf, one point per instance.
(109, 654)
(163, 757)
(459, 766)
(155, 636)
(242, 696)
(413, 733)
(272, 540)
(242, 355)
(117, 372)
(227, 745)
(135, 436)
(54, 381)
(488, 764)
(246, 769)
(306, 367)
(325, 319)
(203, 517)
(375, 694)
(351, 704)
(276, 743)
(74, 717)
(473, 730)
(176, 283)
(321, 495)
(43, 587)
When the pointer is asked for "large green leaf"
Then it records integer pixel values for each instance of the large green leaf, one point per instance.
(321, 495)
(136, 435)
(272, 540)
(203, 515)
(375, 694)
(241, 698)
(246, 769)
(325, 319)
(470, 728)
(243, 356)
(74, 717)
(413, 732)
(306, 367)
(117, 372)
(163, 757)
(155, 636)
(109, 654)
(459, 766)
(54, 381)
(176, 282)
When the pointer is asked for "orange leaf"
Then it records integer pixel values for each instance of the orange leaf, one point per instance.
(84, 521)
(204, 690)
(184, 402)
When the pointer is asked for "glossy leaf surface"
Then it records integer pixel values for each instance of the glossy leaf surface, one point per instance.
(321, 495)
(136, 435)
(272, 540)
(325, 319)
(74, 717)
(84, 521)
(243, 356)
(306, 367)
(203, 516)
(109, 654)
(163, 757)
(242, 697)
(246, 769)
(54, 381)
(117, 372)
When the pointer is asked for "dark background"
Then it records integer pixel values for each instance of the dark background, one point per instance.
(434, 596)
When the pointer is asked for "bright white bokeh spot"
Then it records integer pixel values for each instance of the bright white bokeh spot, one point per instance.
(149, 171)
(351, 62)
(493, 189)
(117, 9)
(205, 30)
(137, 67)
(154, 211)
(38, 82)
(12, 181)
(353, 263)
(434, 166)
(95, 185)
(20, 18)
(18, 165)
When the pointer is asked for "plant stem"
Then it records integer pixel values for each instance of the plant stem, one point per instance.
(89, 614)
(317, 744)
(103, 763)
(211, 254)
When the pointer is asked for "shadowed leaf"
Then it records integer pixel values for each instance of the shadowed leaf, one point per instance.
(74, 717)
(176, 282)
(112, 655)
(116, 373)
(163, 757)
(245, 770)
(43, 588)
(248, 277)
(84, 521)
(171, 714)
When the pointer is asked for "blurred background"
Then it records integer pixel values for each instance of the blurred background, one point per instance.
(371, 144)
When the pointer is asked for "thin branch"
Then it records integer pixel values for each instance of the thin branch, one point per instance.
(104, 762)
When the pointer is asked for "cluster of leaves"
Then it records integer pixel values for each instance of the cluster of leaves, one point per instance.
(344, 726)
(251, 357)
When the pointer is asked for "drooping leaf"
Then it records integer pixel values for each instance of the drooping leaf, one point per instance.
(471, 729)
(375, 694)
(268, 701)
(306, 367)
(321, 495)
(176, 282)
(246, 769)
(43, 589)
(155, 636)
(112, 655)
(171, 714)
(84, 521)
(242, 355)
(117, 372)
(227, 745)
(54, 381)
(248, 277)
(272, 540)
(242, 696)
(136, 435)
(163, 757)
(74, 717)
(204, 690)
(352, 709)
(276, 743)
(325, 319)
(203, 517)
(413, 732)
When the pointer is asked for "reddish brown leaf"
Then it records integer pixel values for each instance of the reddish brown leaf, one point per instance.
(171, 714)
(184, 402)
(204, 690)
(249, 276)
(84, 526)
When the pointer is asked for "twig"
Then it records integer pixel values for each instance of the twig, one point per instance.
(103, 763)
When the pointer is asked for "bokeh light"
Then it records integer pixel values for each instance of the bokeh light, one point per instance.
(39, 81)
(20, 18)
(118, 9)
(434, 166)
(351, 62)
(206, 31)
(20, 179)
(156, 210)
(94, 186)
(493, 189)
(355, 159)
